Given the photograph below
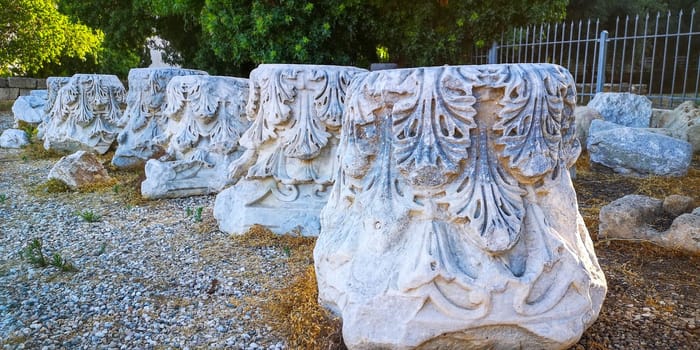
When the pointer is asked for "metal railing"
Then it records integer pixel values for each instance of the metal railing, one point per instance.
(657, 56)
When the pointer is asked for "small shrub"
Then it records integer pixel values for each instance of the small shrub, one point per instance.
(34, 254)
(63, 264)
(89, 216)
(198, 214)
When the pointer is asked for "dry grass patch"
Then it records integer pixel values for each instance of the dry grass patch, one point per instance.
(292, 308)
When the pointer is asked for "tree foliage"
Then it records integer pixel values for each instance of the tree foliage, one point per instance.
(34, 34)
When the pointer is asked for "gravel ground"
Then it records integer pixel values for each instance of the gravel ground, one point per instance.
(152, 276)
(149, 275)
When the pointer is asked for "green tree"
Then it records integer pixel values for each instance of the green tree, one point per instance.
(422, 33)
(127, 24)
(34, 34)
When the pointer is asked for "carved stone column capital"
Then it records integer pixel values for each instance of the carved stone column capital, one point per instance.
(143, 121)
(85, 113)
(283, 175)
(204, 117)
(453, 222)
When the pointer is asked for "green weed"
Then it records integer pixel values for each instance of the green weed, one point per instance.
(34, 254)
(3, 198)
(89, 216)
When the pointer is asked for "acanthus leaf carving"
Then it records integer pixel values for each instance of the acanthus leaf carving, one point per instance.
(431, 128)
(530, 121)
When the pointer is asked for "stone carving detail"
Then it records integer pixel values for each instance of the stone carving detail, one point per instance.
(53, 84)
(85, 114)
(284, 174)
(453, 221)
(143, 119)
(205, 119)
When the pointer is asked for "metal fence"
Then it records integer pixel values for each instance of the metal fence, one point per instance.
(657, 56)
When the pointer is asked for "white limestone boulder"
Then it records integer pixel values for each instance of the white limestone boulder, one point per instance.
(30, 109)
(143, 120)
(453, 222)
(13, 138)
(636, 151)
(631, 217)
(623, 108)
(683, 123)
(283, 177)
(584, 115)
(85, 114)
(204, 118)
(79, 169)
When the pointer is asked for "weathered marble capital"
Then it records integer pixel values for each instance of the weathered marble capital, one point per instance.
(143, 121)
(453, 222)
(204, 119)
(85, 113)
(53, 85)
(283, 175)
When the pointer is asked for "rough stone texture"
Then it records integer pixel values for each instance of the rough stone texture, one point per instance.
(8, 94)
(205, 119)
(30, 109)
(696, 211)
(79, 169)
(584, 115)
(143, 119)
(453, 222)
(637, 151)
(630, 217)
(22, 83)
(676, 205)
(284, 174)
(684, 234)
(623, 108)
(4, 83)
(682, 123)
(85, 113)
(53, 84)
(13, 138)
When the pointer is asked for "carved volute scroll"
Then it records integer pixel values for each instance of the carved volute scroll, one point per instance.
(143, 120)
(85, 114)
(453, 218)
(53, 85)
(205, 118)
(287, 165)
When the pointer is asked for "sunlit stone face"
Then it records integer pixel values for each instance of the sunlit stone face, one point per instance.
(143, 120)
(84, 113)
(283, 176)
(453, 222)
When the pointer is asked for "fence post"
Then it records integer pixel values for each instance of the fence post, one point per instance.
(493, 54)
(602, 44)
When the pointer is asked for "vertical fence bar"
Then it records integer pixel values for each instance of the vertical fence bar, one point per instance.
(653, 56)
(663, 67)
(602, 43)
(554, 42)
(539, 43)
(624, 49)
(594, 66)
(585, 57)
(675, 57)
(492, 57)
(571, 43)
(687, 52)
(644, 51)
(634, 48)
(612, 62)
(521, 47)
(561, 47)
(578, 46)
